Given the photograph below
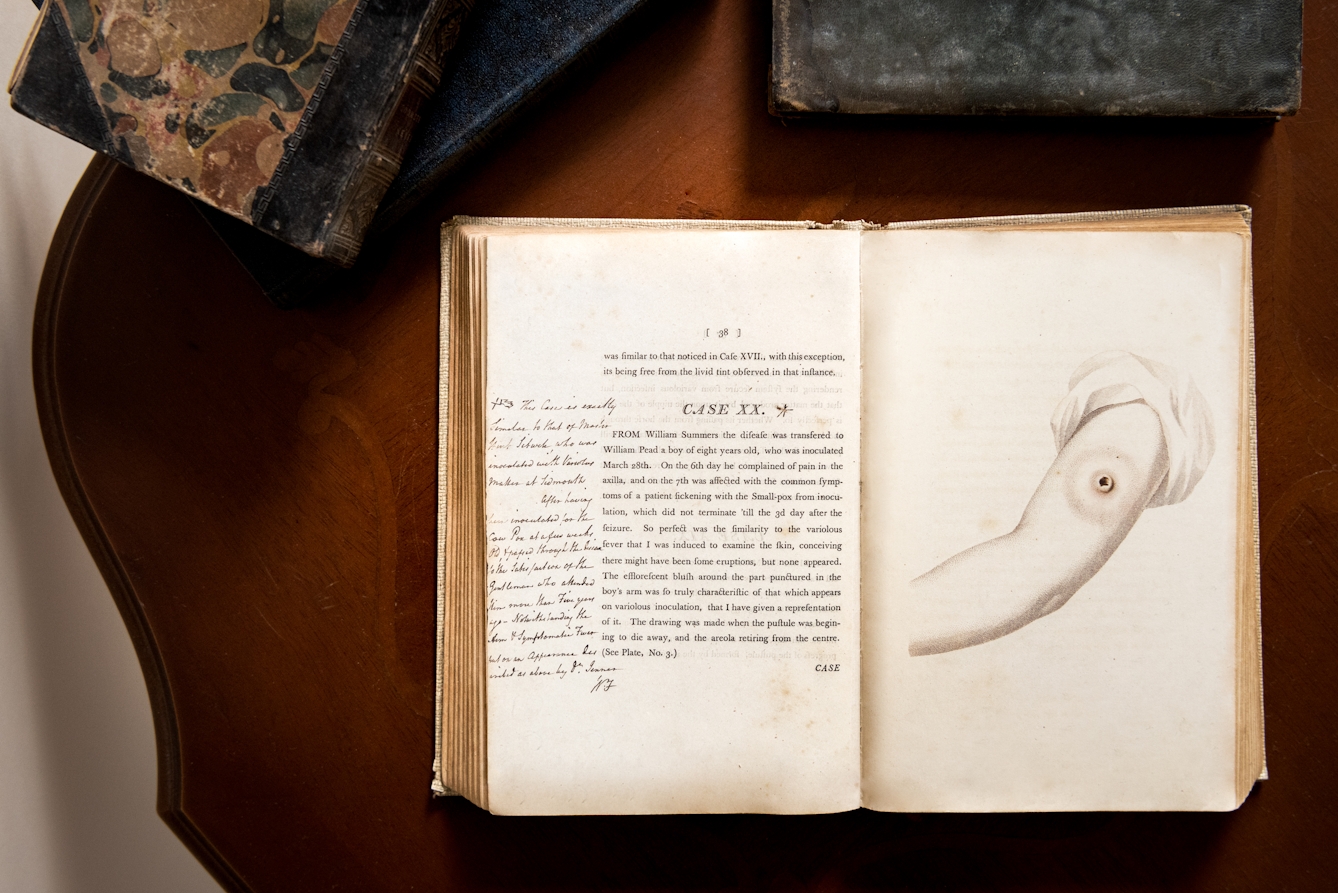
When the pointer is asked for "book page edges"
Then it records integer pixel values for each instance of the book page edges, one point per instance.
(461, 761)
(499, 224)
(1206, 218)
(1251, 762)
(444, 330)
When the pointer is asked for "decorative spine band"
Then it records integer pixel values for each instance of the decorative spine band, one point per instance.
(385, 157)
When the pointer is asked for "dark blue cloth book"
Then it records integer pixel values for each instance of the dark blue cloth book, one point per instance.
(509, 54)
(1039, 57)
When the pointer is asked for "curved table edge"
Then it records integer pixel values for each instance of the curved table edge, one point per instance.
(64, 243)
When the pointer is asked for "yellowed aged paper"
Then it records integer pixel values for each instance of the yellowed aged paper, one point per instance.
(987, 355)
(673, 521)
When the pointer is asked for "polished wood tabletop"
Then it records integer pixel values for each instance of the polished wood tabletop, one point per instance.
(258, 486)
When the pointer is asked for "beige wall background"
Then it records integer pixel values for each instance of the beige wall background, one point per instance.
(77, 763)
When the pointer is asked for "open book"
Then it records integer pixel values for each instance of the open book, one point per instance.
(780, 517)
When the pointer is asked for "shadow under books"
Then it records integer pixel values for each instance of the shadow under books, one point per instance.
(853, 849)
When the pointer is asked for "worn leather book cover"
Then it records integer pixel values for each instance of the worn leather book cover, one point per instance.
(291, 115)
(510, 54)
(1047, 57)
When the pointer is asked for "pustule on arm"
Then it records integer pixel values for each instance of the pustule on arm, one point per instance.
(1082, 510)
(1112, 466)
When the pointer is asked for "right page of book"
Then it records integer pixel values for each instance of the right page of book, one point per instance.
(1051, 481)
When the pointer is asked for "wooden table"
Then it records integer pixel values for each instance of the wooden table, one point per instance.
(258, 486)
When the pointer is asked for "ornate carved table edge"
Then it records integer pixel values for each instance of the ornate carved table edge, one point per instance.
(167, 742)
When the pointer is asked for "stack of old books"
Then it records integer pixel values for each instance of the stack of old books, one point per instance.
(300, 126)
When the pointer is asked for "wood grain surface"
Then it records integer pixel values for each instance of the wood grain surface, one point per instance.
(258, 486)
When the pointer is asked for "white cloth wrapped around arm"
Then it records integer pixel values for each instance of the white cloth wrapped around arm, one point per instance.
(1115, 377)
(1131, 433)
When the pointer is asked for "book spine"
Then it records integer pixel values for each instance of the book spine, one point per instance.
(354, 214)
(435, 161)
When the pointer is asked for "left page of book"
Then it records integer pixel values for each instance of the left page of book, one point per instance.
(672, 503)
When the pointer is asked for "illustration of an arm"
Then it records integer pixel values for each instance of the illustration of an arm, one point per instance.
(1131, 434)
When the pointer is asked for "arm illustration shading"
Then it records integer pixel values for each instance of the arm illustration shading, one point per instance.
(1131, 434)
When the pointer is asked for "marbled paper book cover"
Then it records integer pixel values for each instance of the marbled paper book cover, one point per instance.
(292, 115)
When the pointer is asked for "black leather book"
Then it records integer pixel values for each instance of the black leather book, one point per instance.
(510, 53)
(291, 116)
(1048, 57)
